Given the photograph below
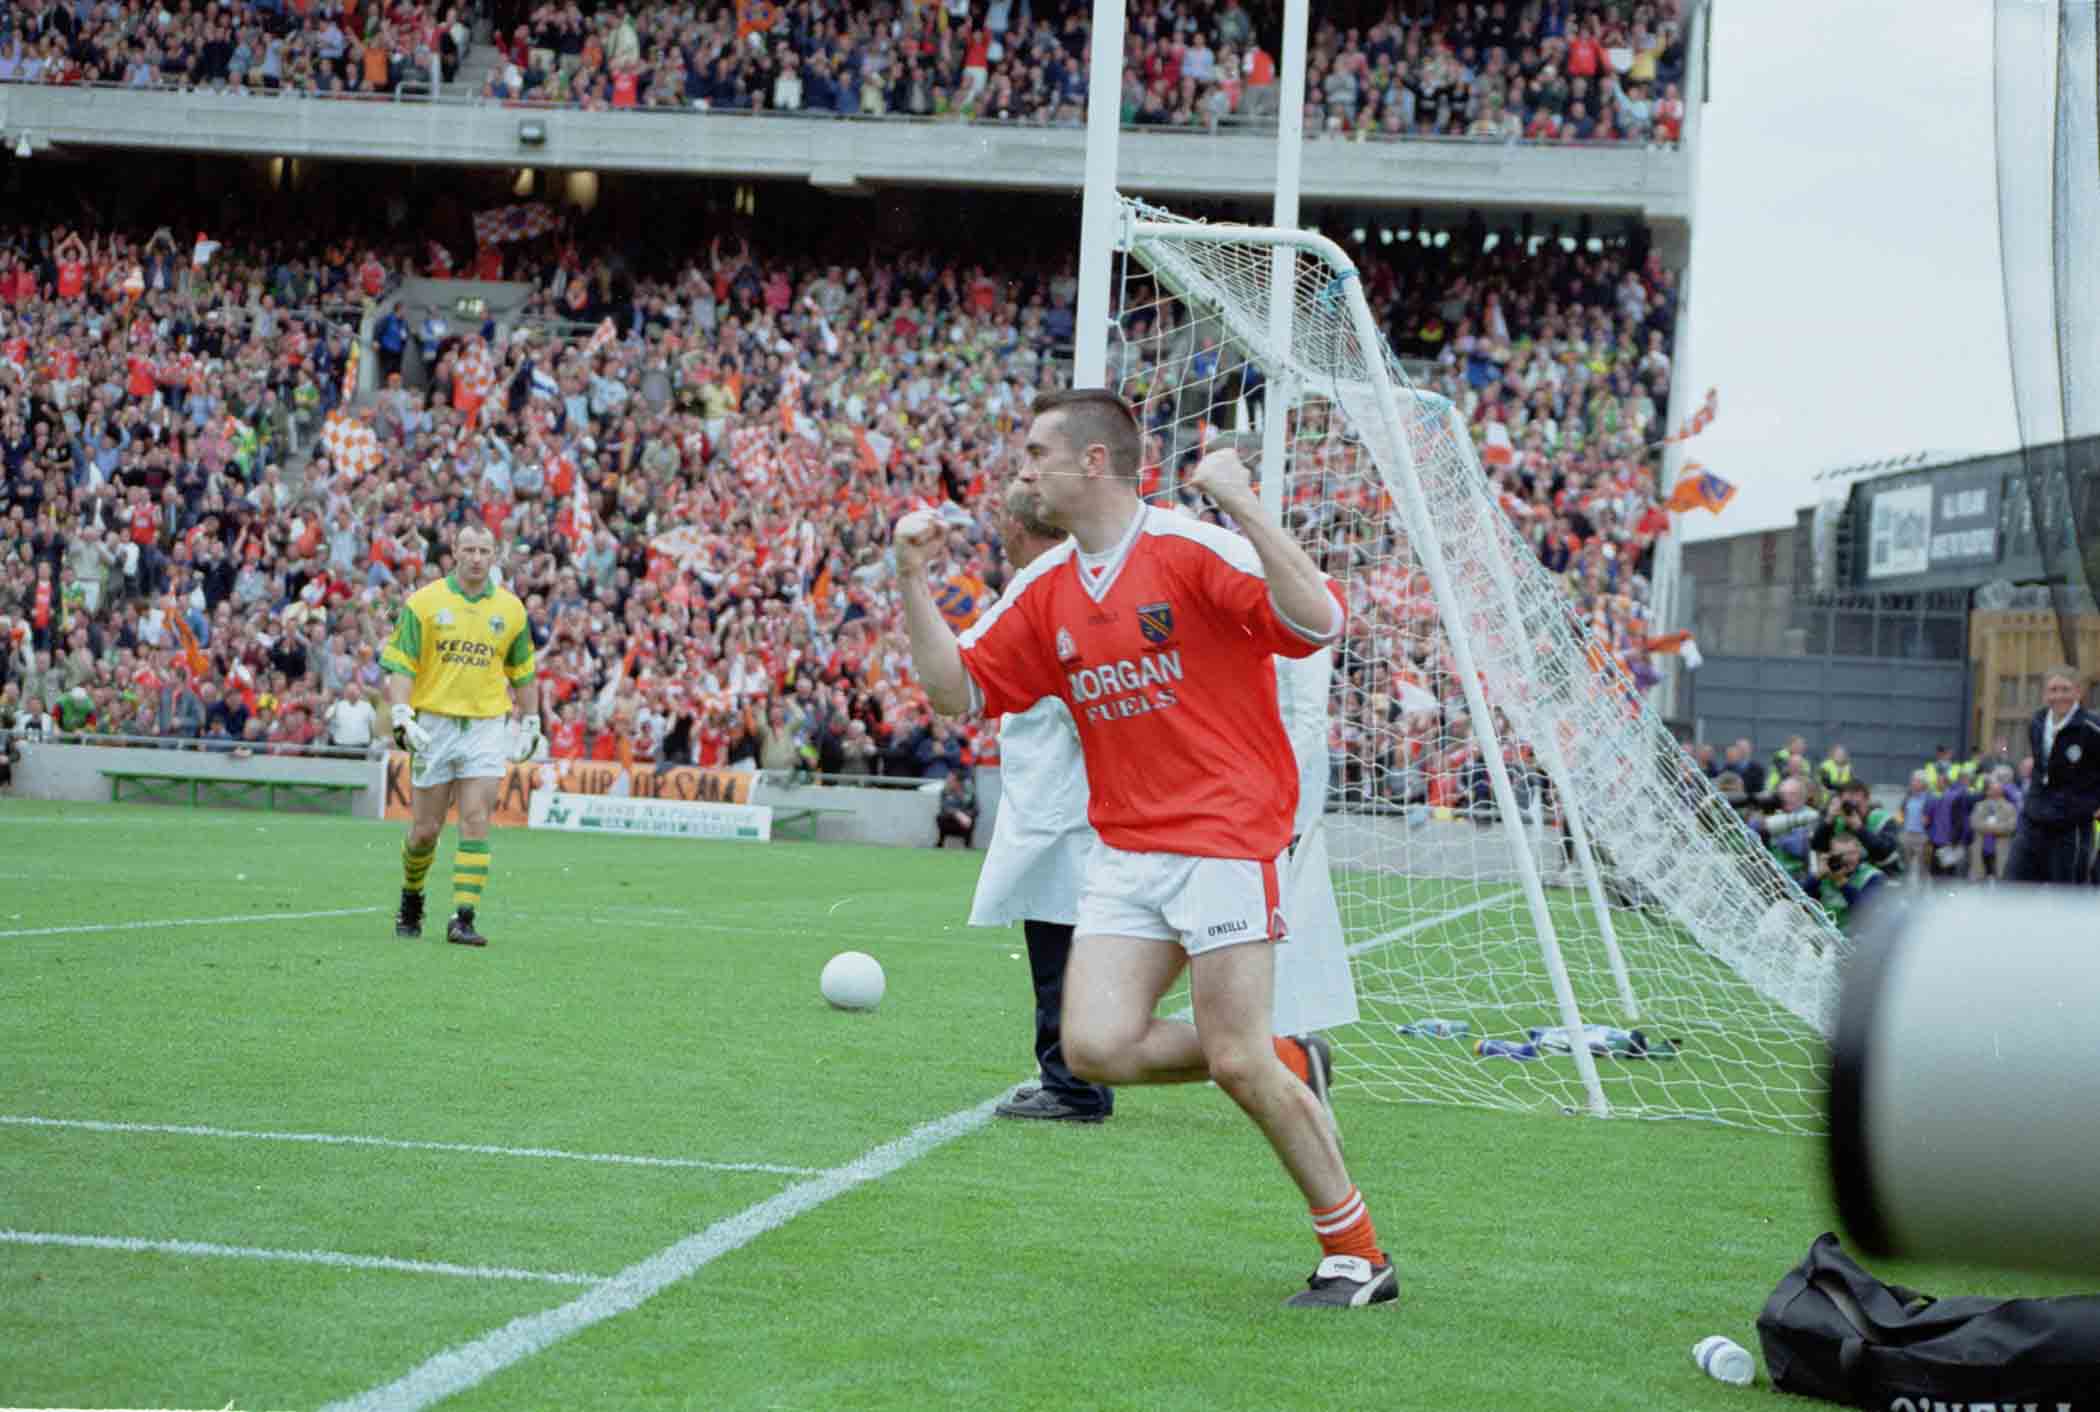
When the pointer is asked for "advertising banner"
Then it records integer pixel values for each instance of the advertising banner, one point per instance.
(679, 784)
(654, 818)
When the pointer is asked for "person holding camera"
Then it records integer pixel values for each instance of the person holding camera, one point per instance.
(1846, 883)
(2053, 842)
(1852, 811)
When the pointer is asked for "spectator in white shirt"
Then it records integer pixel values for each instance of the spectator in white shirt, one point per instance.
(350, 722)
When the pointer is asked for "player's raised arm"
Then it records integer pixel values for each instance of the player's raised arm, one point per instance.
(934, 653)
(1297, 589)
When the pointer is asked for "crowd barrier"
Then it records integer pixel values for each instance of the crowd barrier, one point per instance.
(842, 809)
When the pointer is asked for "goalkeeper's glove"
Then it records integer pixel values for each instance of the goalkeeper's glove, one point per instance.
(527, 743)
(409, 734)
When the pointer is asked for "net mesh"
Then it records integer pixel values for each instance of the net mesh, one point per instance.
(1681, 926)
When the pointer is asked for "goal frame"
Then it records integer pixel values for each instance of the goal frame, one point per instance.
(1409, 500)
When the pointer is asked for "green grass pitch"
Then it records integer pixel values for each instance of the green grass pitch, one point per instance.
(657, 999)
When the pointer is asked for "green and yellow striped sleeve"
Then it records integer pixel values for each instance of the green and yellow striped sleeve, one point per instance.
(519, 664)
(404, 650)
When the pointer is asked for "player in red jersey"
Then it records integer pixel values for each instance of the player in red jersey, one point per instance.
(1156, 630)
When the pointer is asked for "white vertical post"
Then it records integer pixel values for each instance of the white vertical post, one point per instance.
(1412, 502)
(1281, 392)
(1586, 861)
(1666, 591)
(1097, 211)
(1555, 756)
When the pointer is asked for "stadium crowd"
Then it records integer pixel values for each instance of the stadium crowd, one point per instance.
(1549, 70)
(695, 472)
(1587, 72)
(261, 46)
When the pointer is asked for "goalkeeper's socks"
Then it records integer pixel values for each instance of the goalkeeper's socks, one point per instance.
(470, 872)
(1345, 1229)
(1294, 1058)
(415, 866)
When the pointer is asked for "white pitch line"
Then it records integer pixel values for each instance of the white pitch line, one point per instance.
(1358, 948)
(461, 1367)
(296, 1257)
(470, 1364)
(191, 922)
(620, 1159)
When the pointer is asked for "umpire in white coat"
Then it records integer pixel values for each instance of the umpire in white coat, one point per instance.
(1037, 857)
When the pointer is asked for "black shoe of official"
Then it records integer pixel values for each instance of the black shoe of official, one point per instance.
(461, 930)
(1042, 1103)
(1347, 1282)
(408, 921)
(1319, 1075)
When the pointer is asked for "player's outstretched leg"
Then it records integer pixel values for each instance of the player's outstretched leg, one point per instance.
(1233, 989)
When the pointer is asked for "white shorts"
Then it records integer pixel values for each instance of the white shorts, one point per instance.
(461, 748)
(1202, 903)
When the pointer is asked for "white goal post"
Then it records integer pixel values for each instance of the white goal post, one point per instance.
(1520, 849)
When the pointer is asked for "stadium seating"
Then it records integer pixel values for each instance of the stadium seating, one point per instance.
(696, 471)
(1560, 72)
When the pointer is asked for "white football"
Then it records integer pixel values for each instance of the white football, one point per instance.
(852, 980)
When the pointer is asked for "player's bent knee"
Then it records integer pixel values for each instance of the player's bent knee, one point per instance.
(1088, 1056)
(1236, 1068)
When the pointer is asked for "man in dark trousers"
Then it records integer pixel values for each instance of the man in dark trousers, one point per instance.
(1037, 858)
(2054, 840)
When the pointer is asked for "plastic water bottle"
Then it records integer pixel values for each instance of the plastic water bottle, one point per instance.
(1724, 1360)
(1435, 1029)
(1505, 1049)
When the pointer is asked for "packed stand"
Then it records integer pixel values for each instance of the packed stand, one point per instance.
(695, 475)
(152, 391)
(260, 46)
(1538, 72)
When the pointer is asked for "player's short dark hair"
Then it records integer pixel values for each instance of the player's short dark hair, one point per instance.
(1096, 415)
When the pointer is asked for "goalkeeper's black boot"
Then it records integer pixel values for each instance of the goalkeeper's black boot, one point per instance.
(461, 932)
(409, 920)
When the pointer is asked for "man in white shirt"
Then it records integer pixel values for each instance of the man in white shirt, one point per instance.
(1037, 858)
(350, 722)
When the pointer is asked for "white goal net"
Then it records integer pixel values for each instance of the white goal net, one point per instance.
(1521, 851)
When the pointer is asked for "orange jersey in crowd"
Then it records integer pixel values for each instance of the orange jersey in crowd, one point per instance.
(1163, 660)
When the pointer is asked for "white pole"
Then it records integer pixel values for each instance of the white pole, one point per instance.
(1593, 882)
(1667, 590)
(1281, 391)
(1097, 212)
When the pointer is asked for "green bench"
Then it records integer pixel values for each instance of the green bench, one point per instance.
(207, 789)
(802, 817)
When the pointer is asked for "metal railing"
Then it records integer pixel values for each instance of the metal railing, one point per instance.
(416, 92)
(194, 744)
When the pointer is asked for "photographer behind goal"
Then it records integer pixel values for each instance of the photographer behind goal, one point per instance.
(1852, 811)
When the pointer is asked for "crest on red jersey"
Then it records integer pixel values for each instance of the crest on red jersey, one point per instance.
(1066, 652)
(1156, 622)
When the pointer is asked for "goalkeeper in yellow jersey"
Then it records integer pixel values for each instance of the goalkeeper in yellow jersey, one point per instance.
(460, 650)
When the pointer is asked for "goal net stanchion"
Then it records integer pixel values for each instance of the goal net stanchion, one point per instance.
(1519, 847)
(1556, 765)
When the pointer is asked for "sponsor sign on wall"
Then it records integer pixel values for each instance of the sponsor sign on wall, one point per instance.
(681, 783)
(655, 818)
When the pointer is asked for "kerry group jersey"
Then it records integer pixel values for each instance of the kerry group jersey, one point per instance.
(460, 650)
(1163, 660)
